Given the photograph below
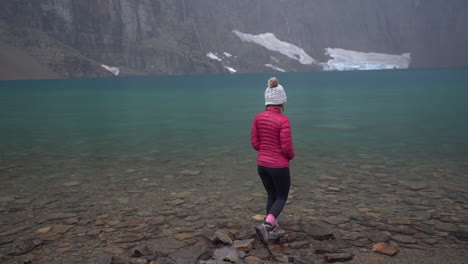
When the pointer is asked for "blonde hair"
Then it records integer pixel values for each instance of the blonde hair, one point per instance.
(273, 82)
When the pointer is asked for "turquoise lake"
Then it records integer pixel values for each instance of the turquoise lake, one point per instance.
(416, 115)
(92, 165)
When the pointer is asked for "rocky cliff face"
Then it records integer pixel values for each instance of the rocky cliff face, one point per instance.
(172, 37)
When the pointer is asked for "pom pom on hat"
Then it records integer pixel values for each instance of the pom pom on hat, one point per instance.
(275, 94)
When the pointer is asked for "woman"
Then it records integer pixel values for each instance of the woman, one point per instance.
(271, 137)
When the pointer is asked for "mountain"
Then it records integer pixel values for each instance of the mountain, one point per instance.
(95, 38)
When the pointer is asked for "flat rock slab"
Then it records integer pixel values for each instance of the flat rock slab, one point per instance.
(24, 246)
(385, 249)
(188, 255)
(318, 231)
(338, 257)
(14, 231)
(226, 254)
(165, 246)
(336, 220)
(60, 216)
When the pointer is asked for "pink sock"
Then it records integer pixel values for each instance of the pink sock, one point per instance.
(271, 219)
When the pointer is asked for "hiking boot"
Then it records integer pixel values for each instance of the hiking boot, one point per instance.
(263, 231)
(276, 233)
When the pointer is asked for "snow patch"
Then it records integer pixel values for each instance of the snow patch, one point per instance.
(211, 55)
(345, 60)
(227, 54)
(275, 67)
(269, 41)
(231, 70)
(114, 70)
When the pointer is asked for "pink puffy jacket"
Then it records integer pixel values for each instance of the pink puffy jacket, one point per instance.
(271, 137)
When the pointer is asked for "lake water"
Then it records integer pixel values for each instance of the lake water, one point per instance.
(93, 146)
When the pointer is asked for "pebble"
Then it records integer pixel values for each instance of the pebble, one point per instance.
(183, 236)
(61, 229)
(176, 202)
(70, 184)
(258, 218)
(44, 229)
(189, 172)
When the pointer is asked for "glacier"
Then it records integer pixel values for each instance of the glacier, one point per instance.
(114, 70)
(269, 41)
(345, 60)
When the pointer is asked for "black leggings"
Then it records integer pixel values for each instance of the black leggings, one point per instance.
(276, 182)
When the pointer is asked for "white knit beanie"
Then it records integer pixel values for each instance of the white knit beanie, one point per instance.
(275, 95)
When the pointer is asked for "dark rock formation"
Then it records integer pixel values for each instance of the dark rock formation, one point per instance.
(67, 38)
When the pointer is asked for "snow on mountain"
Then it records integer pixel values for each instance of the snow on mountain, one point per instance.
(227, 54)
(114, 70)
(211, 55)
(275, 67)
(344, 60)
(269, 41)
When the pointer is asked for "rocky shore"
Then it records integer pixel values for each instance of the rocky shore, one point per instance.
(102, 210)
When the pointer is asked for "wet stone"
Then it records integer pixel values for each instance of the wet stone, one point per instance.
(187, 255)
(385, 249)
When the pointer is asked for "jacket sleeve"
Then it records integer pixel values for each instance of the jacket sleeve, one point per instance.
(254, 136)
(286, 140)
